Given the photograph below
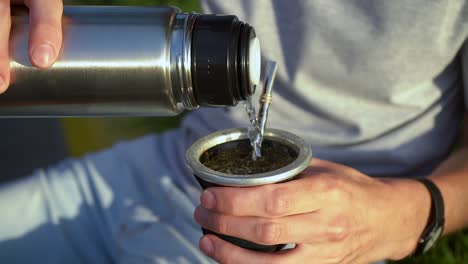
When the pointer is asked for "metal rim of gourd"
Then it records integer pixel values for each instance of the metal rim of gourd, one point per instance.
(299, 145)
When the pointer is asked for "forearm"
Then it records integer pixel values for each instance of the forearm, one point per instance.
(452, 179)
(413, 200)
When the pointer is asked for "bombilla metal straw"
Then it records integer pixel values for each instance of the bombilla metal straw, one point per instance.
(265, 98)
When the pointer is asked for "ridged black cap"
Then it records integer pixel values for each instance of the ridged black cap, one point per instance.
(220, 60)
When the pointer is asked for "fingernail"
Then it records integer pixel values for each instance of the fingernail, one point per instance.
(206, 245)
(208, 200)
(43, 55)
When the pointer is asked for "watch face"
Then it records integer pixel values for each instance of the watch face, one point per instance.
(432, 239)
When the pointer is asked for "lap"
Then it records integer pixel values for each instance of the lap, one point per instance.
(132, 203)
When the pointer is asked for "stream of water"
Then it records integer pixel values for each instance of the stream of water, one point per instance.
(254, 131)
(257, 124)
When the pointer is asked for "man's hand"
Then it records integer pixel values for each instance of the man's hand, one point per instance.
(333, 213)
(45, 37)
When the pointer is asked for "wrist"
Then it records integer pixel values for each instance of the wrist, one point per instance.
(412, 206)
(447, 191)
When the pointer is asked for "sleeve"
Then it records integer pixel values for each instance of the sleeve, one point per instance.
(464, 58)
(76, 207)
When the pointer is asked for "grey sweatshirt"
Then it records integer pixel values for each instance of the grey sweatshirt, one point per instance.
(375, 85)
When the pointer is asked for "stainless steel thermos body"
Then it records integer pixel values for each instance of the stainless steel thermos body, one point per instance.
(134, 61)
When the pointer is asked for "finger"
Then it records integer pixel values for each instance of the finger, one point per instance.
(269, 201)
(5, 25)
(224, 252)
(305, 228)
(45, 37)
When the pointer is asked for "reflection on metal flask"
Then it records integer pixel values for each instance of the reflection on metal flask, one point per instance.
(134, 61)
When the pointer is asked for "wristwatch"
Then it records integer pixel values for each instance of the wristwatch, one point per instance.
(435, 225)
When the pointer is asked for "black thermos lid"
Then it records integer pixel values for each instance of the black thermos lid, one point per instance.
(225, 60)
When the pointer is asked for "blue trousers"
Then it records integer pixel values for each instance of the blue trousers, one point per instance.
(132, 203)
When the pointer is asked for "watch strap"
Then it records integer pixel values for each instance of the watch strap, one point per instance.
(435, 225)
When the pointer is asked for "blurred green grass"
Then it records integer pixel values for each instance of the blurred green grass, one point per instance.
(452, 249)
(91, 134)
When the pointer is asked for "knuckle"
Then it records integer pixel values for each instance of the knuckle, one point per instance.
(221, 224)
(334, 188)
(279, 203)
(50, 29)
(229, 205)
(336, 234)
(233, 204)
(338, 230)
(329, 183)
(51, 24)
(338, 195)
(269, 233)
